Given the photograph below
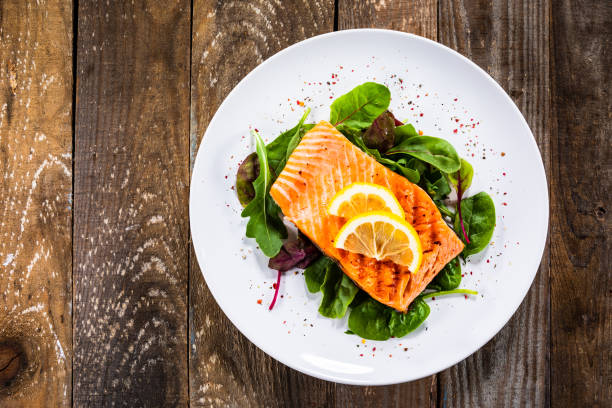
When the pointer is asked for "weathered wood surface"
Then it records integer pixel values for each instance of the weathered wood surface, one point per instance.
(131, 229)
(510, 40)
(581, 301)
(35, 203)
(147, 332)
(229, 40)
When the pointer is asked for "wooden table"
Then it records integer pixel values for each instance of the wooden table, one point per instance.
(102, 106)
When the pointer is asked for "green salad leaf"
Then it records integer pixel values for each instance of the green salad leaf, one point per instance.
(465, 174)
(434, 182)
(381, 134)
(338, 292)
(358, 108)
(435, 151)
(248, 171)
(314, 274)
(278, 148)
(404, 132)
(448, 278)
(374, 321)
(264, 224)
(478, 214)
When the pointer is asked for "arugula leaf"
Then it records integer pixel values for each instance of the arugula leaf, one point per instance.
(478, 220)
(435, 151)
(404, 132)
(359, 107)
(314, 274)
(465, 174)
(374, 321)
(277, 149)
(448, 278)
(264, 223)
(401, 324)
(338, 292)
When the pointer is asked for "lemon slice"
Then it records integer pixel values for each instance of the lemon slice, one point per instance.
(359, 198)
(383, 236)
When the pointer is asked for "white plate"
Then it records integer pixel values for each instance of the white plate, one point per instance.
(425, 78)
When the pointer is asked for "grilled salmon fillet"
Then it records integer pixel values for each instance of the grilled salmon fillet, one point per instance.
(321, 165)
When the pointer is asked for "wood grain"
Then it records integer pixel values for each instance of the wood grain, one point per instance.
(35, 203)
(417, 17)
(413, 16)
(581, 302)
(131, 195)
(510, 40)
(229, 40)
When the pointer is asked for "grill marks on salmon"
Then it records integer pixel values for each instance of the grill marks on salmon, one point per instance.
(322, 164)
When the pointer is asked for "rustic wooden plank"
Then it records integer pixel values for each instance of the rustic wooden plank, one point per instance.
(509, 39)
(131, 196)
(35, 203)
(581, 304)
(414, 16)
(417, 17)
(230, 39)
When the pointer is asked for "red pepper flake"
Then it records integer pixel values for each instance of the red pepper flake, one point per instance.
(418, 96)
(420, 114)
(505, 193)
(352, 70)
(373, 348)
(259, 301)
(504, 173)
(456, 120)
(257, 130)
(300, 103)
(361, 355)
(284, 322)
(274, 286)
(461, 125)
(331, 97)
(471, 119)
(226, 177)
(471, 273)
(334, 83)
(401, 81)
(472, 154)
(473, 126)
(465, 296)
(503, 154)
(405, 348)
(455, 99)
(426, 94)
(488, 261)
(390, 356)
(420, 133)
(341, 67)
(455, 131)
(504, 203)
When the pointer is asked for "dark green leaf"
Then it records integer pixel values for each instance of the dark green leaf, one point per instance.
(380, 135)
(404, 132)
(465, 174)
(297, 136)
(359, 107)
(246, 175)
(437, 152)
(448, 278)
(264, 223)
(370, 320)
(315, 274)
(401, 324)
(434, 182)
(338, 292)
(277, 149)
(478, 214)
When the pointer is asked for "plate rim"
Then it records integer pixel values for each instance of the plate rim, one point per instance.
(499, 323)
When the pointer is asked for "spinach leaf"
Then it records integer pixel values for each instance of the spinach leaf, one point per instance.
(478, 214)
(338, 292)
(448, 278)
(297, 253)
(380, 135)
(401, 324)
(315, 274)
(434, 182)
(359, 107)
(248, 171)
(264, 224)
(370, 320)
(277, 149)
(404, 132)
(463, 175)
(374, 321)
(437, 152)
